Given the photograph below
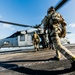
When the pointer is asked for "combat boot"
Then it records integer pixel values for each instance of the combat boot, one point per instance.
(73, 65)
(55, 58)
(35, 49)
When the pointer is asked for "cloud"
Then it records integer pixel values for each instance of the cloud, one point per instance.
(71, 35)
(71, 38)
(71, 25)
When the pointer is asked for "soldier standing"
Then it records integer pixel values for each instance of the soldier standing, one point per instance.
(36, 41)
(46, 33)
(56, 27)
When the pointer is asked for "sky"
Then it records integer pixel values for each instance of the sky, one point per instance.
(31, 12)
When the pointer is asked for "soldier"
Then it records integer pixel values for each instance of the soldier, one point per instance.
(36, 41)
(56, 27)
(46, 33)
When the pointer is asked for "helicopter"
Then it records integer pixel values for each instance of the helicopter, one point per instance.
(24, 38)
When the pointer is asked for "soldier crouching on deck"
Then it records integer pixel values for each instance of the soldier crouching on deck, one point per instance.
(36, 41)
(56, 27)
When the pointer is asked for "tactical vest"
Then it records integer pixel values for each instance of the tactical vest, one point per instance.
(36, 38)
(56, 21)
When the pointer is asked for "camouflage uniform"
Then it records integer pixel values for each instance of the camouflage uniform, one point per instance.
(46, 28)
(36, 41)
(57, 29)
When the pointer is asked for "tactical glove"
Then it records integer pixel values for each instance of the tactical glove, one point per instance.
(63, 33)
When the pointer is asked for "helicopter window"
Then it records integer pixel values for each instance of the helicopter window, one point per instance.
(22, 37)
(6, 42)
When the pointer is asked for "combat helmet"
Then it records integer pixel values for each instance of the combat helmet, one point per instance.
(50, 9)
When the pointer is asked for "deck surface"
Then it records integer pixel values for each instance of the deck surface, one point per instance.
(35, 63)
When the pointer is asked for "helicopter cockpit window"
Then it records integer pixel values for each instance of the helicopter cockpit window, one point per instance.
(22, 37)
(6, 42)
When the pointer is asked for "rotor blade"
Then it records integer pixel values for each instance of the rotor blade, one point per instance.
(16, 24)
(60, 4)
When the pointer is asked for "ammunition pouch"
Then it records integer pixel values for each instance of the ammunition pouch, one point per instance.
(36, 41)
(63, 33)
(55, 21)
